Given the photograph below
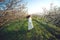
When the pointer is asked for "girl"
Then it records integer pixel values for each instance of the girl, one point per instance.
(30, 25)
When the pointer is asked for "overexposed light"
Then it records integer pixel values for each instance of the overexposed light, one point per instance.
(36, 7)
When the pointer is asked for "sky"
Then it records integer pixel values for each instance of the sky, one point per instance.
(2, 4)
(35, 6)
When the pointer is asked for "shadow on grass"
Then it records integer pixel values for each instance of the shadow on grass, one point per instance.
(16, 34)
(13, 35)
(49, 29)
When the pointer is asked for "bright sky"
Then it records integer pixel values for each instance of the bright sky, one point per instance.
(35, 6)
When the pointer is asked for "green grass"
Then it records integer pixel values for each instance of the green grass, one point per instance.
(18, 30)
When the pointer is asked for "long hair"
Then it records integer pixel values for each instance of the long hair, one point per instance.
(28, 16)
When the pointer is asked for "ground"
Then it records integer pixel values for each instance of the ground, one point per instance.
(18, 30)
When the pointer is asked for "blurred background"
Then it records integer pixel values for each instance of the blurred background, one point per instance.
(45, 16)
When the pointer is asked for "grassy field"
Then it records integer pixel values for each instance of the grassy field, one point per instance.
(18, 30)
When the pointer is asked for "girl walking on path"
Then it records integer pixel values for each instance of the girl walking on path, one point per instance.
(30, 24)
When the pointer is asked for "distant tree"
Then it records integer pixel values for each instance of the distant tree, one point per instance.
(14, 9)
(53, 15)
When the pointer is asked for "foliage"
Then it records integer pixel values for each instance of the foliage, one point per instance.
(53, 16)
(10, 12)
